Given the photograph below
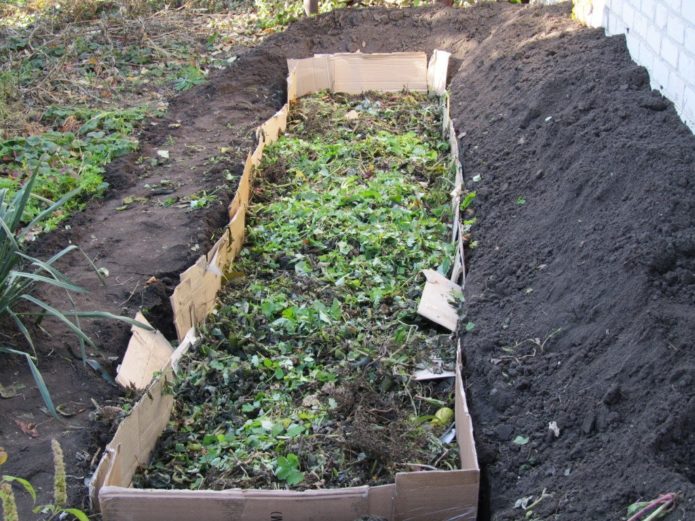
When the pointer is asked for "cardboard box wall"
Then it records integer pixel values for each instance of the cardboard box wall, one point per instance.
(416, 496)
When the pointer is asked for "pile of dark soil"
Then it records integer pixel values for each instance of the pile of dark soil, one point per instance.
(586, 224)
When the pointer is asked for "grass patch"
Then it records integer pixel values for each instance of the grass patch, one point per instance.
(303, 376)
(68, 159)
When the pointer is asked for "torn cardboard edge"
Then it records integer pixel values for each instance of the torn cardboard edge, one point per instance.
(416, 496)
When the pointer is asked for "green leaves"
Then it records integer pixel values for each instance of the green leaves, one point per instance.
(322, 316)
(520, 440)
(287, 469)
(188, 77)
(67, 162)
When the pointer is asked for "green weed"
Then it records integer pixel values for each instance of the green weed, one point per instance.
(66, 161)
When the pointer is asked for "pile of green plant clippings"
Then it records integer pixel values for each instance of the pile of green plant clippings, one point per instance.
(303, 378)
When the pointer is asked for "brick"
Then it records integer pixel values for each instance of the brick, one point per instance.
(633, 45)
(647, 56)
(648, 7)
(628, 13)
(686, 66)
(675, 89)
(690, 39)
(661, 16)
(654, 38)
(688, 11)
(675, 5)
(640, 24)
(615, 25)
(659, 74)
(669, 52)
(689, 100)
(676, 28)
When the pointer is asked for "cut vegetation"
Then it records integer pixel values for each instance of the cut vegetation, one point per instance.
(303, 375)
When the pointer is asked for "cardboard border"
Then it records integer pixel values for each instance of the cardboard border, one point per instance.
(416, 496)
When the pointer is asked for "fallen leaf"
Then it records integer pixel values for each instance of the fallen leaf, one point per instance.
(520, 440)
(10, 391)
(27, 428)
(353, 114)
(70, 409)
(3, 456)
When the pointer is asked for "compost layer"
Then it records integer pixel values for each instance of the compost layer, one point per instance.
(586, 225)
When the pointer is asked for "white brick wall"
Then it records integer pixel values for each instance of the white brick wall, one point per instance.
(660, 36)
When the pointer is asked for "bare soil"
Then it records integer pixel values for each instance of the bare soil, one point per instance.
(586, 225)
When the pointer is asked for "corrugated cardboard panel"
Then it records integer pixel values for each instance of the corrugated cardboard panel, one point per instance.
(454, 144)
(236, 230)
(180, 305)
(310, 75)
(243, 191)
(233, 505)
(189, 340)
(148, 352)
(137, 434)
(464, 423)
(381, 500)
(437, 495)
(459, 270)
(437, 71)
(435, 303)
(272, 128)
(291, 85)
(392, 72)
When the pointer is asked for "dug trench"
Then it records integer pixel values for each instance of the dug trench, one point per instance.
(581, 282)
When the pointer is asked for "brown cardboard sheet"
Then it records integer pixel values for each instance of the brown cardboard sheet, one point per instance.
(437, 69)
(415, 496)
(148, 353)
(354, 73)
(357, 73)
(435, 303)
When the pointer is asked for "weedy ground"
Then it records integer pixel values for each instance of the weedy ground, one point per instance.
(303, 375)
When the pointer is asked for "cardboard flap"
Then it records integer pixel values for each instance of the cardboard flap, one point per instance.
(436, 301)
(437, 71)
(464, 423)
(237, 505)
(188, 341)
(148, 353)
(310, 74)
(137, 434)
(357, 73)
(437, 495)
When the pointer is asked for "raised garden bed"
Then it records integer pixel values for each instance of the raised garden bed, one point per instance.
(304, 376)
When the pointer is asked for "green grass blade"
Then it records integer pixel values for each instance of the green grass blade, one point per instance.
(48, 211)
(22, 328)
(48, 280)
(40, 383)
(19, 202)
(47, 266)
(59, 315)
(110, 316)
(77, 514)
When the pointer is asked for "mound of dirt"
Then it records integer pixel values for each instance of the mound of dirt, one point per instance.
(582, 284)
